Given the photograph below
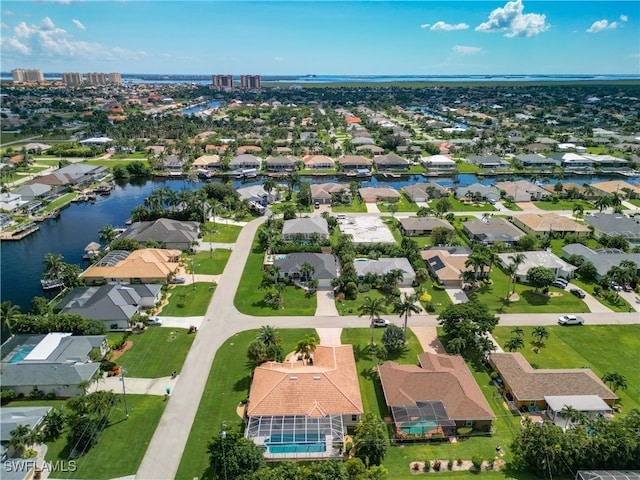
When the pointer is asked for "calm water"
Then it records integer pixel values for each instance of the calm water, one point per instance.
(78, 225)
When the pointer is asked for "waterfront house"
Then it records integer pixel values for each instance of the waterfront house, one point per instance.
(115, 305)
(302, 409)
(573, 161)
(614, 225)
(488, 162)
(607, 162)
(421, 226)
(391, 161)
(423, 192)
(33, 192)
(173, 164)
(324, 193)
(437, 397)
(257, 193)
(382, 266)
(439, 163)
(379, 194)
(325, 266)
(492, 229)
(245, 161)
(305, 229)
(318, 162)
(354, 162)
(544, 224)
(169, 233)
(522, 191)
(207, 162)
(55, 363)
(281, 164)
(535, 161)
(11, 202)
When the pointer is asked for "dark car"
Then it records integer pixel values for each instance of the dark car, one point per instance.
(627, 288)
(578, 293)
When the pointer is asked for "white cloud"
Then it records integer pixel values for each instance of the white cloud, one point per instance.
(602, 25)
(449, 27)
(7, 13)
(466, 50)
(278, 59)
(79, 24)
(511, 19)
(48, 41)
(425, 25)
(4, 25)
(624, 18)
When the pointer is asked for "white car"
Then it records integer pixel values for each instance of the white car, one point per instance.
(570, 320)
(380, 322)
(154, 321)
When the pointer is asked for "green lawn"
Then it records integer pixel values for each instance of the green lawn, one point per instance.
(59, 202)
(209, 263)
(620, 306)
(350, 307)
(563, 205)
(589, 346)
(464, 167)
(493, 296)
(417, 169)
(356, 207)
(404, 205)
(188, 300)
(634, 201)
(121, 445)
(458, 206)
(224, 233)
(228, 384)
(439, 298)
(249, 298)
(514, 207)
(157, 352)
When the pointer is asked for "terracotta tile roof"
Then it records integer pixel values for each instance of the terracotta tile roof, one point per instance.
(548, 222)
(329, 386)
(527, 383)
(146, 264)
(444, 378)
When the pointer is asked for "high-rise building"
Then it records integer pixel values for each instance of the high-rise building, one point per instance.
(115, 78)
(94, 78)
(72, 79)
(27, 75)
(250, 82)
(222, 82)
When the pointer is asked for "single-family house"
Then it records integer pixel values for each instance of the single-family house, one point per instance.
(56, 363)
(10, 419)
(421, 226)
(305, 229)
(207, 162)
(522, 191)
(607, 162)
(36, 148)
(281, 163)
(538, 258)
(113, 304)
(602, 259)
(541, 225)
(354, 162)
(493, 229)
(615, 186)
(245, 161)
(439, 163)
(614, 225)
(535, 161)
(446, 264)
(257, 193)
(173, 164)
(437, 397)
(169, 233)
(573, 161)
(325, 266)
(391, 161)
(379, 194)
(318, 162)
(525, 387)
(325, 193)
(423, 192)
(302, 409)
(33, 192)
(147, 265)
(11, 202)
(374, 150)
(382, 266)
(476, 192)
(488, 162)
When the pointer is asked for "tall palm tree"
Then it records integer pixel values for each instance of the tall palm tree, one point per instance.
(372, 307)
(615, 381)
(306, 347)
(514, 343)
(269, 184)
(477, 261)
(405, 307)
(215, 206)
(53, 265)
(306, 271)
(8, 313)
(540, 333)
(570, 414)
(269, 335)
(516, 260)
(107, 234)
(602, 202)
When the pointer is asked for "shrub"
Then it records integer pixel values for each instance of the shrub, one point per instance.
(427, 465)
(106, 365)
(438, 287)
(450, 463)
(430, 307)
(348, 447)
(51, 396)
(340, 297)
(464, 431)
(437, 437)
(29, 453)
(436, 465)
(364, 288)
(7, 395)
(477, 461)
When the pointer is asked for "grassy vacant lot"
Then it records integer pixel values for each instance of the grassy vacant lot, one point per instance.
(249, 298)
(228, 384)
(210, 263)
(493, 296)
(223, 233)
(121, 445)
(356, 207)
(350, 307)
(188, 300)
(156, 353)
(563, 205)
(603, 348)
(458, 206)
(404, 205)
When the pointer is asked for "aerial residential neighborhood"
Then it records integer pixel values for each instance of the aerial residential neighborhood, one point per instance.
(258, 277)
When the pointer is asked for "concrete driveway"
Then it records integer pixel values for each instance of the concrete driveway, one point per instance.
(457, 295)
(326, 303)
(594, 305)
(372, 208)
(329, 336)
(135, 386)
(181, 322)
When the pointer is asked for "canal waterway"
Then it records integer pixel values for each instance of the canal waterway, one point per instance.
(21, 262)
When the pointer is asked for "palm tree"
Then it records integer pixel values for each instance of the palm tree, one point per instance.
(306, 271)
(517, 260)
(510, 270)
(540, 333)
(615, 381)
(215, 206)
(306, 347)
(8, 313)
(53, 265)
(406, 307)
(477, 261)
(293, 180)
(269, 336)
(372, 307)
(569, 414)
(269, 184)
(602, 202)
(514, 343)
(518, 332)
(578, 210)
(107, 234)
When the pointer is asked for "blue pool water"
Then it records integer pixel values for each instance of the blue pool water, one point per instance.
(296, 443)
(20, 354)
(419, 427)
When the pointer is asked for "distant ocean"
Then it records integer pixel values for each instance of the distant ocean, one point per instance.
(302, 79)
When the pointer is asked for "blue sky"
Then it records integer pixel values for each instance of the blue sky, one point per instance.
(321, 37)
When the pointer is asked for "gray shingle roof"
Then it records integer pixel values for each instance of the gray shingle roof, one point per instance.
(305, 226)
(326, 265)
(614, 224)
(164, 231)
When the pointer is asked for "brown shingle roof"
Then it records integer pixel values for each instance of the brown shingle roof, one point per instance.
(329, 386)
(527, 383)
(444, 378)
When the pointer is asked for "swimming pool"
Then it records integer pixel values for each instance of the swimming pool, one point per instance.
(419, 427)
(361, 260)
(21, 353)
(296, 443)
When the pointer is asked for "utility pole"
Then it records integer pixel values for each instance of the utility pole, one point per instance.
(124, 391)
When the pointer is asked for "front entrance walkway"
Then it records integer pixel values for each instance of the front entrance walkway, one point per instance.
(457, 295)
(428, 338)
(372, 208)
(329, 336)
(326, 303)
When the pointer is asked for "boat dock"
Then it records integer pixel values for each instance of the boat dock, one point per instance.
(20, 232)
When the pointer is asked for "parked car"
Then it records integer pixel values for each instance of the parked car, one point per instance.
(570, 320)
(380, 322)
(627, 288)
(177, 280)
(316, 205)
(154, 321)
(578, 293)
(615, 286)
(558, 284)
